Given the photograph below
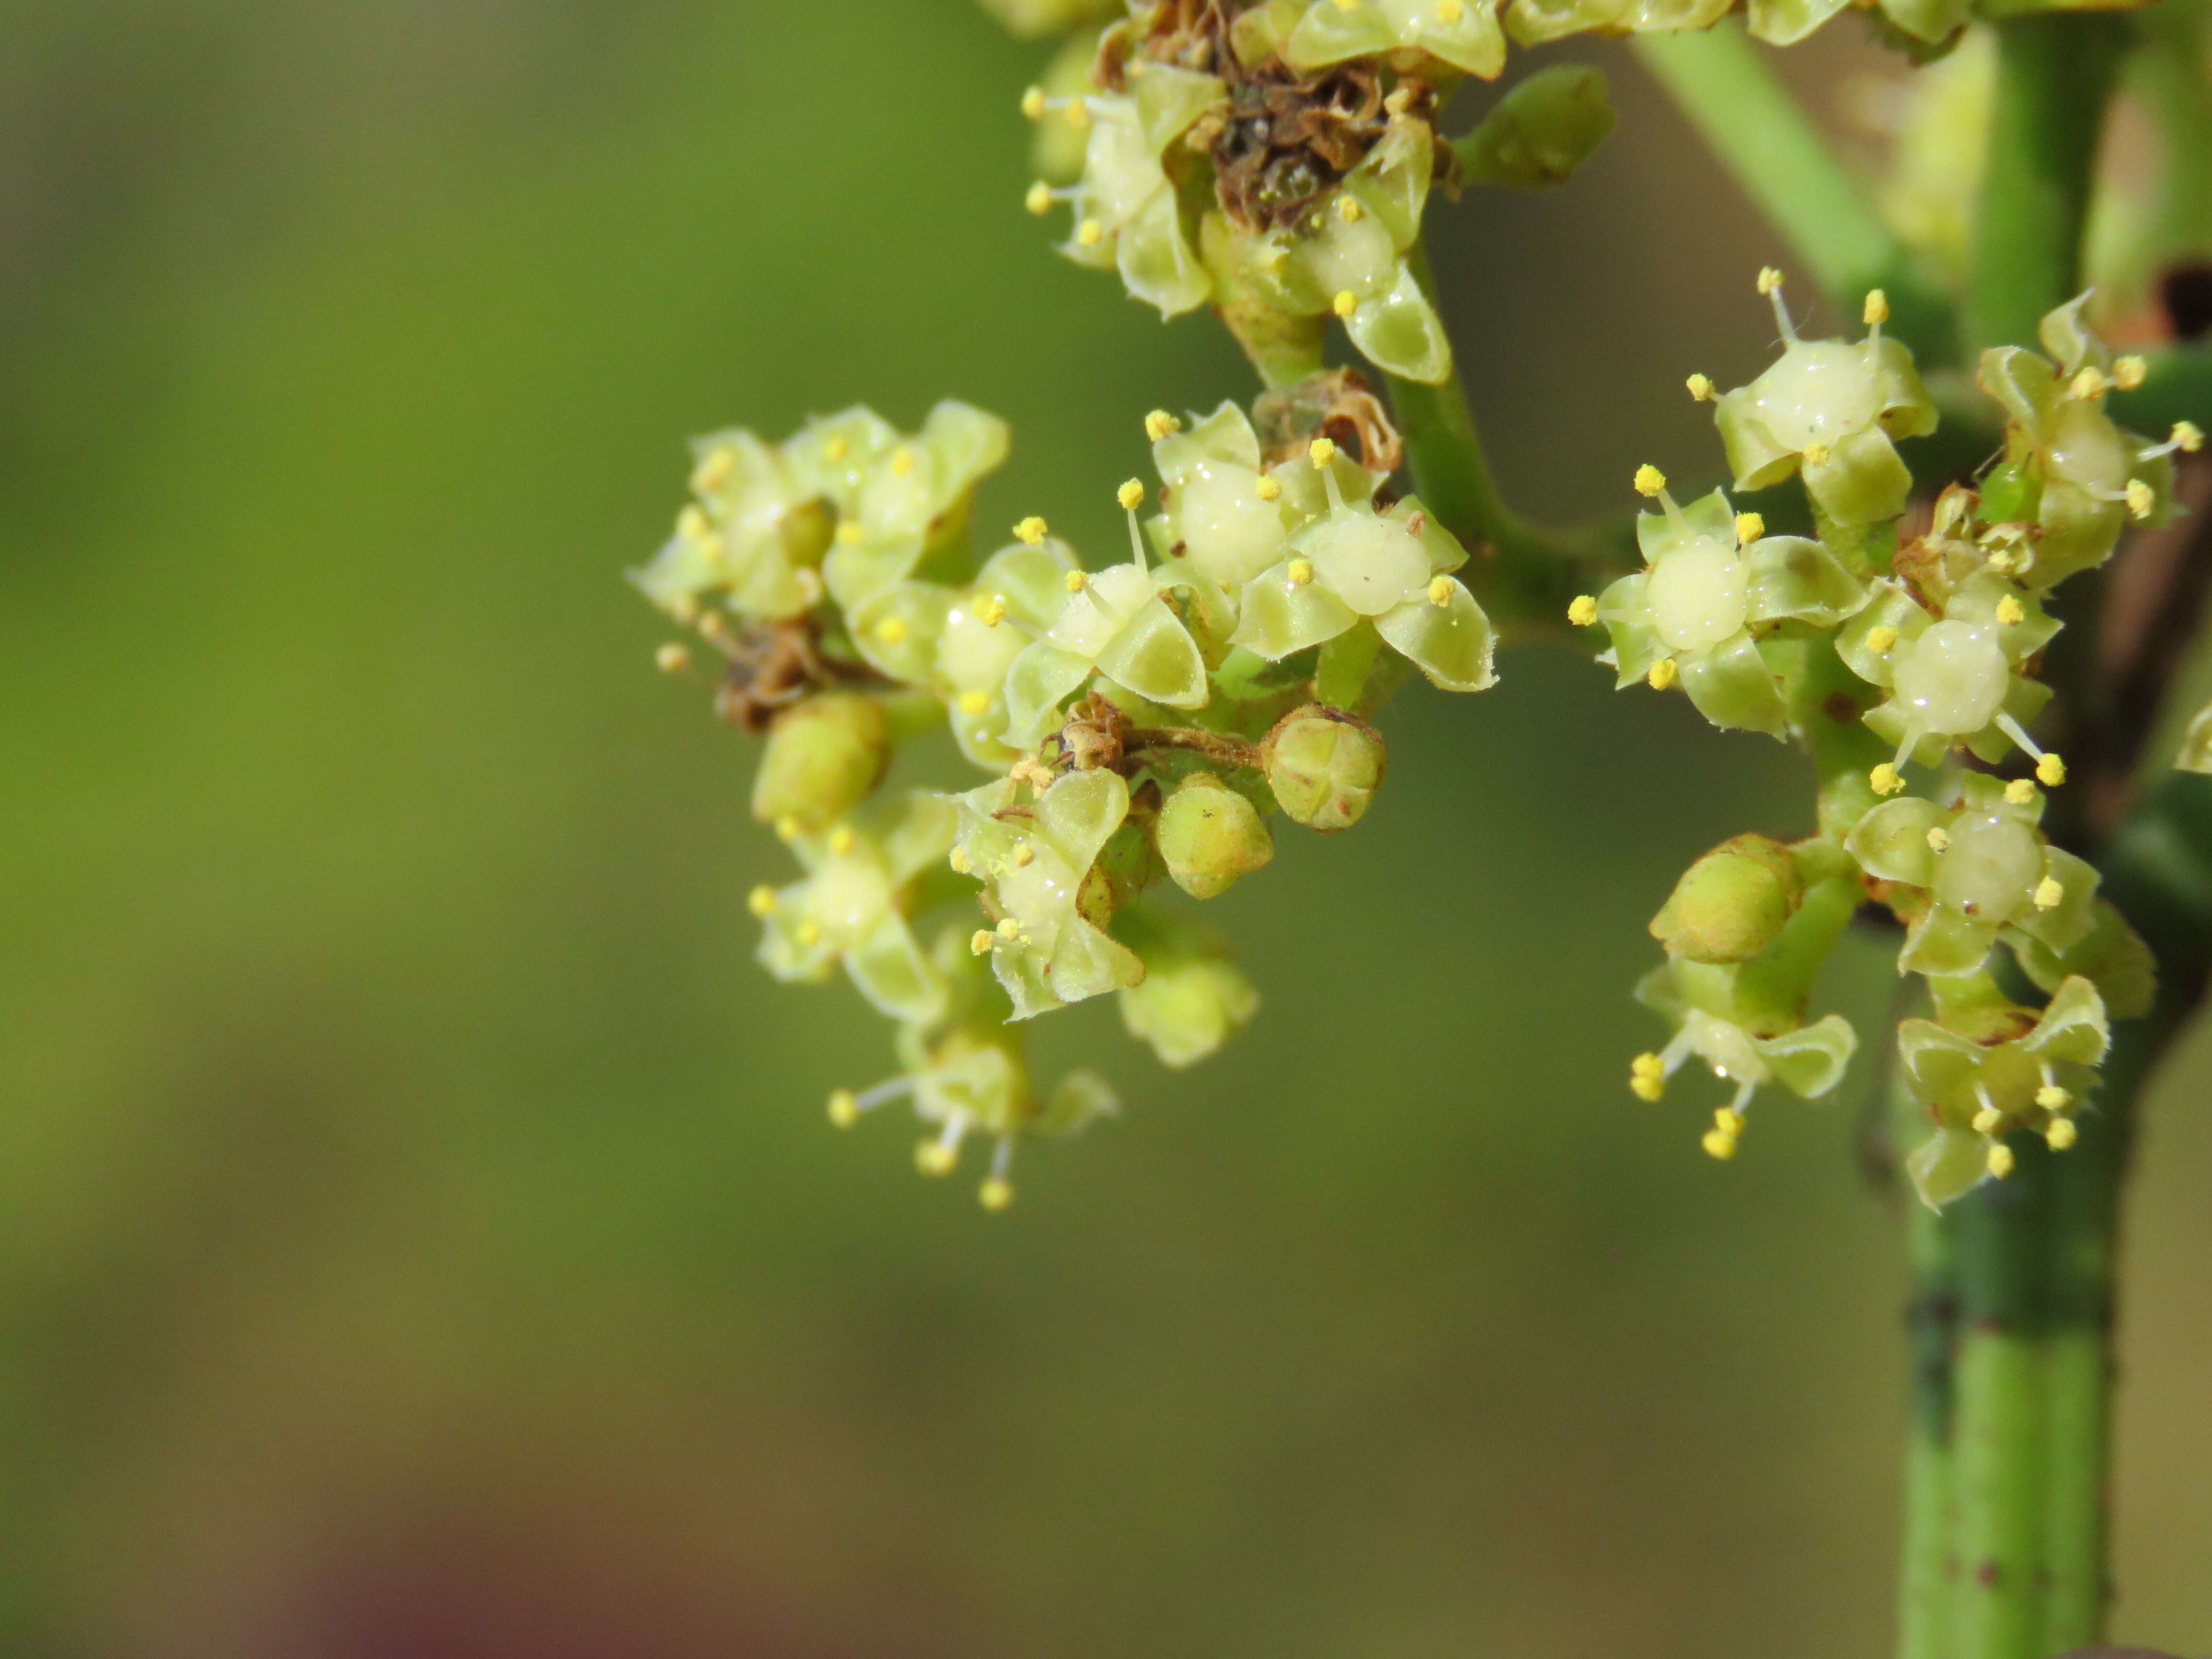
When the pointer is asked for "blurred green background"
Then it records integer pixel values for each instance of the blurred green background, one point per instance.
(419, 1233)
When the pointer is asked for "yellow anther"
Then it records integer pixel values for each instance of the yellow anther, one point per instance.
(1348, 208)
(1877, 309)
(837, 449)
(1038, 200)
(1650, 1087)
(1649, 480)
(995, 1194)
(786, 827)
(934, 1158)
(891, 630)
(1450, 11)
(1440, 590)
(850, 532)
(2188, 437)
(692, 523)
(1999, 559)
(1010, 928)
(1879, 640)
(1647, 1065)
(1024, 855)
(2010, 611)
(982, 940)
(991, 611)
(1347, 5)
(1090, 233)
(2089, 384)
(973, 703)
(1582, 611)
(762, 902)
(2000, 1160)
(2051, 771)
(1399, 100)
(1030, 529)
(1749, 527)
(671, 658)
(1074, 581)
(2142, 499)
(713, 623)
(2052, 1099)
(1663, 674)
(844, 1108)
(1718, 1143)
(2019, 791)
(1988, 1121)
(1729, 1121)
(2061, 1133)
(841, 840)
(685, 610)
(1300, 572)
(1938, 838)
(1322, 452)
(809, 932)
(958, 859)
(1131, 494)
(1816, 454)
(1159, 423)
(1033, 103)
(1345, 303)
(1268, 488)
(712, 471)
(1701, 387)
(1886, 779)
(2128, 373)
(1769, 279)
(2050, 893)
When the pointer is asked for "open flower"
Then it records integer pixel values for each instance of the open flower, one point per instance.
(1225, 511)
(1348, 563)
(1952, 680)
(1984, 866)
(911, 496)
(1979, 1092)
(1832, 410)
(1711, 580)
(1126, 213)
(756, 535)
(1809, 1060)
(850, 908)
(1034, 858)
(1426, 38)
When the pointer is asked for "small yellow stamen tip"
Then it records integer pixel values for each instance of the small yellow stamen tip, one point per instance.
(714, 623)
(973, 703)
(1010, 928)
(1582, 612)
(1038, 200)
(934, 1158)
(837, 449)
(712, 471)
(2050, 893)
(2142, 499)
(2089, 383)
(1440, 590)
(850, 532)
(891, 630)
(2019, 791)
(995, 1195)
(1322, 451)
(809, 932)
(1024, 854)
(1647, 1065)
(1938, 838)
(1701, 387)
(1718, 1143)
(1663, 674)
(1988, 1121)
(2061, 1133)
(1749, 527)
(1816, 454)
(1399, 100)
(1450, 11)
(1877, 309)
(2051, 771)
(762, 902)
(1886, 779)
(1649, 480)
(2052, 1099)
(2011, 612)
(1879, 640)
(958, 859)
(1300, 573)
(2000, 1160)
(1030, 529)
(2188, 436)
(1268, 490)
(1090, 233)
(1347, 5)
(2128, 373)
(1159, 423)
(1348, 209)
(1769, 279)
(692, 523)
(1649, 1088)
(1033, 103)
(841, 840)
(786, 827)
(844, 1108)
(1131, 494)
(991, 611)
(671, 658)
(1728, 1120)
(982, 940)
(1345, 303)
(1074, 581)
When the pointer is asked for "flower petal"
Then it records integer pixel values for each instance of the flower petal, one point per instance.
(1731, 686)
(1452, 643)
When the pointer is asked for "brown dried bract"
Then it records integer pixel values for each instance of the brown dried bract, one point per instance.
(773, 666)
(1337, 404)
(1096, 735)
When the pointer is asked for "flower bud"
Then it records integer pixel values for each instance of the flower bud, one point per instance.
(1324, 766)
(1538, 133)
(1188, 1007)
(1208, 834)
(1730, 904)
(822, 759)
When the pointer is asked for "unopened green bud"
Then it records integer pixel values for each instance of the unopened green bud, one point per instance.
(1208, 834)
(1541, 130)
(1324, 766)
(1186, 1008)
(822, 759)
(1730, 904)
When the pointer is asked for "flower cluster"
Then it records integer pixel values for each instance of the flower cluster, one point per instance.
(1892, 656)
(1139, 723)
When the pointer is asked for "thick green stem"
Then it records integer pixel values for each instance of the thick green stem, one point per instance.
(1724, 83)
(1928, 1566)
(1996, 1605)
